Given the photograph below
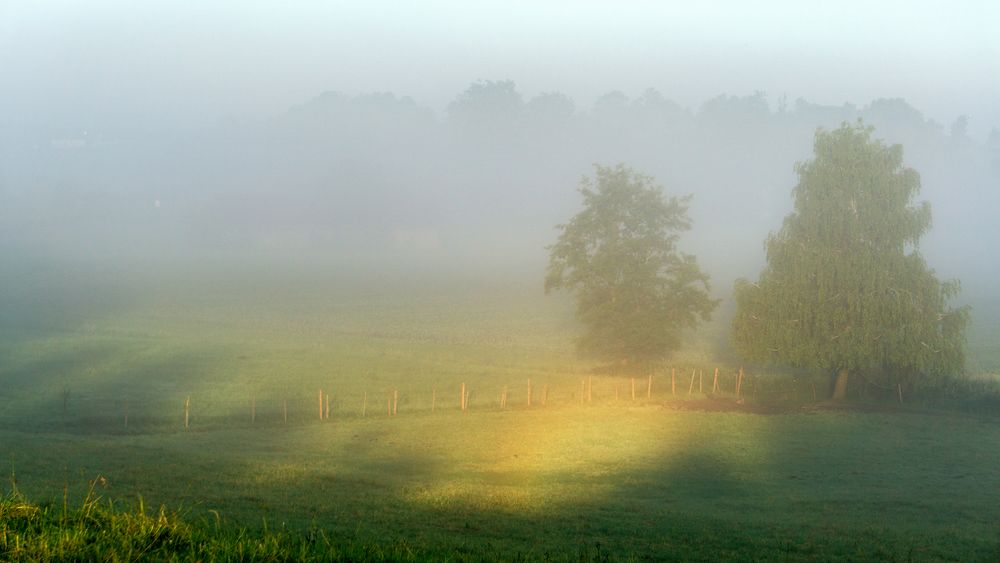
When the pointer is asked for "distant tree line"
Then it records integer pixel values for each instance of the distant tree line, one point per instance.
(380, 175)
(492, 149)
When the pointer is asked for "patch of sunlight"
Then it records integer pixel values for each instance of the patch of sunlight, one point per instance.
(553, 458)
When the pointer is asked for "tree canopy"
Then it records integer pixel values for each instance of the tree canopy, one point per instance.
(845, 287)
(635, 291)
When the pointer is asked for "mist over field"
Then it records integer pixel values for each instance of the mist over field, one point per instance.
(166, 138)
(376, 185)
(237, 237)
(375, 179)
(165, 157)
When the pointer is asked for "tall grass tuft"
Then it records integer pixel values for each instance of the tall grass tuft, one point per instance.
(98, 531)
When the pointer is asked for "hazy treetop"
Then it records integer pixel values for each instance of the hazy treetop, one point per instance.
(161, 62)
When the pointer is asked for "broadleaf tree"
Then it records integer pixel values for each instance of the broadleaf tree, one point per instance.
(845, 289)
(635, 291)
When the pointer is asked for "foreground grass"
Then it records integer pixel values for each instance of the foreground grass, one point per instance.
(558, 484)
(97, 532)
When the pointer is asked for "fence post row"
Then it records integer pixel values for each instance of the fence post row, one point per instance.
(324, 405)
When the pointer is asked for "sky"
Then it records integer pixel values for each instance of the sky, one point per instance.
(71, 64)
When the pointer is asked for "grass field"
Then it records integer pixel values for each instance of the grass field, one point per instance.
(613, 478)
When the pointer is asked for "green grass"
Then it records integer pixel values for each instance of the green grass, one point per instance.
(610, 479)
(635, 480)
(99, 532)
(228, 350)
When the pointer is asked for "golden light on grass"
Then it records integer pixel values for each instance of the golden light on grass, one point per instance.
(546, 460)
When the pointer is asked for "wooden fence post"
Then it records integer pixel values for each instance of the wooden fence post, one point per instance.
(326, 413)
(691, 386)
(395, 401)
(715, 381)
(187, 411)
(320, 398)
(462, 402)
(649, 387)
(633, 388)
(701, 380)
(364, 406)
(529, 393)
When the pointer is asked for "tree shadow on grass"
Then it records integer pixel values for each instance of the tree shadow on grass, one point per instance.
(89, 388)
(826, 486)
(840, 494)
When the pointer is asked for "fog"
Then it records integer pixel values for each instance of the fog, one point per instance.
(441, 140)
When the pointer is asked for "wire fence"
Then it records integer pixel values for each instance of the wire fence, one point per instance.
(144, 411)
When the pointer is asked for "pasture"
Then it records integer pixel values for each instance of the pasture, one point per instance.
(609, 478)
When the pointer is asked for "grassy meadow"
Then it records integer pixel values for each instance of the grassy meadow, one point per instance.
(610, 478)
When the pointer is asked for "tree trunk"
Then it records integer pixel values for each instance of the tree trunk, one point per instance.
(840, 385)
